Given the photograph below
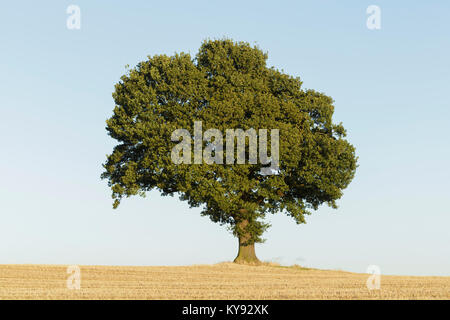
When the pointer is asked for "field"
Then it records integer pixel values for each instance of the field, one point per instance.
(220, 281)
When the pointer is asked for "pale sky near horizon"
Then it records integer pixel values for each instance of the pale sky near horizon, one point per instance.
(391, 90)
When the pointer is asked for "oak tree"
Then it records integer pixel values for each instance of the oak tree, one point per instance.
(227, 85)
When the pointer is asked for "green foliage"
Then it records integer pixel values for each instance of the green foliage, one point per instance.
(226, 86)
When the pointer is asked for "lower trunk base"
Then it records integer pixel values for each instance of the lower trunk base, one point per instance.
(246, 255)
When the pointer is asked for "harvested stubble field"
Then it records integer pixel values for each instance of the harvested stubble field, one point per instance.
(220, 281)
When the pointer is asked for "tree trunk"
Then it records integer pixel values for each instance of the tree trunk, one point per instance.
(246, 253)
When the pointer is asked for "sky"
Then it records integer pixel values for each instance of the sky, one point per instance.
(391, 92)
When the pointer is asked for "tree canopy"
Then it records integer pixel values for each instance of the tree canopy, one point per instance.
(227, 85)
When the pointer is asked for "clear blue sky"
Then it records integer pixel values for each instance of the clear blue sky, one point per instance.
(391, 91)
